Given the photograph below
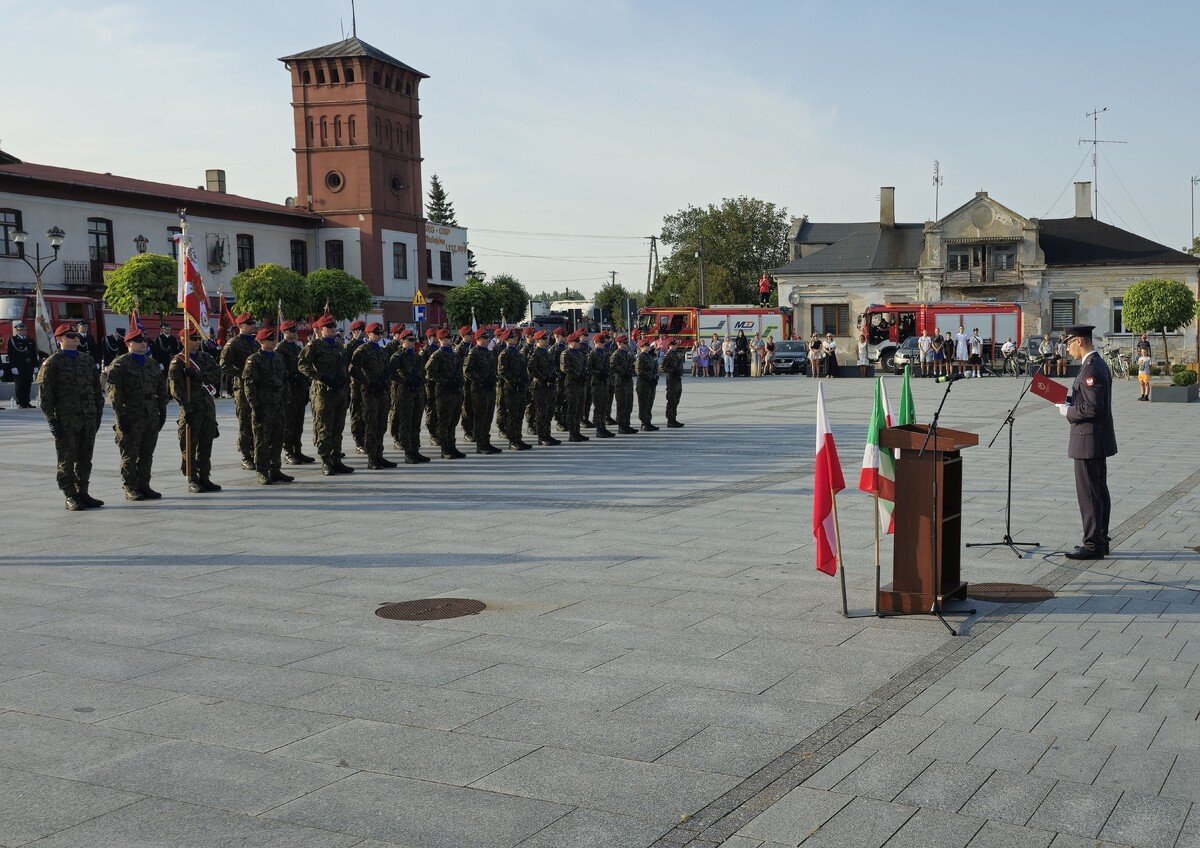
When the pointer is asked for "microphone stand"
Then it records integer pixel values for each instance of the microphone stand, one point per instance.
(1008, 541)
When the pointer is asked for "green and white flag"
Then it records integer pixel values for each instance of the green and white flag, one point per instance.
(878, 474)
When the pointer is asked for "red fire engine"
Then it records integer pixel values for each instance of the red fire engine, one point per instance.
(688, 323)
(888, 325)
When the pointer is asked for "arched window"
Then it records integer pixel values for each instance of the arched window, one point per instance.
(387, 132)
(398, 83)
(375, 78)
(408, 136)
(310, 131)
(337, 130)
(351, 130)
(320, 76)
(306, 78)
(324, 131)
(387, 81)
(378, 129)
(349, 74)
(408, 89)
(333, 75)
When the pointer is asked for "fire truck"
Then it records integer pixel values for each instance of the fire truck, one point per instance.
(689, 323)
(888, 325)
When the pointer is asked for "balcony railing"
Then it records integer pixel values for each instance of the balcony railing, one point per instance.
(87, 275)
(982, 277)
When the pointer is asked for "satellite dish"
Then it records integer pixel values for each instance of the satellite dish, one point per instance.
(794, 296)
(289, 201)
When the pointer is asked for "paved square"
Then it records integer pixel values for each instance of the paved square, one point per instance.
(658, 663)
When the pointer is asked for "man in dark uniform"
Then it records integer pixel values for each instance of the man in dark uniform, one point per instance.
(137, 388)
(193, 380)
(233, 362)
(620, 384)
(22, 363)
(114, 346)
(585, 411)
(266, 385)
(357, 421)
(598, 375)
(431, 422)
(297, 396)
(165, 346)
(408, 396)
(556, 351)
(444, 380)
(466, 340)
(1093, 439)
(512, 388)
(672, 368)
(69, 390)
(479, 371)
(528, 345)
(323, 361)
(369, 370)
(541, 388)
(573, 367)
(86, 343)
(646, 368)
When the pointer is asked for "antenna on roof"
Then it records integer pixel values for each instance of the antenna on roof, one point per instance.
(1094, 141)
(937, 184)
(353, 20)
(342, 27)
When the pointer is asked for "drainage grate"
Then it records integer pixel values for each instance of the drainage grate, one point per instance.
(430, 609)
(1008, 593)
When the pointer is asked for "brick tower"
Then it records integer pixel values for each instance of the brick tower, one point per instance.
(358, 163)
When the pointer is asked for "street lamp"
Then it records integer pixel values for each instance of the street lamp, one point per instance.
(55, 235)
(700, 255)
(141, 243)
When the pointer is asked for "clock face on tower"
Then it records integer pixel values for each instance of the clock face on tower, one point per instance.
(397, 184)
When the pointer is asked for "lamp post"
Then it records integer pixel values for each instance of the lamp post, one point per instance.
(55, 235)
(141, 242)
(700, 256)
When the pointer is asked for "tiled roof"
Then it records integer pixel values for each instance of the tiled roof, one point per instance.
(352, 48)
(1086, 241)
(868, 248)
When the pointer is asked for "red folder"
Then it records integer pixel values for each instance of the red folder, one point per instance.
(1044, 387)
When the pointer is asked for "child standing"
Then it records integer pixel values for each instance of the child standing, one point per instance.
(1143, 365)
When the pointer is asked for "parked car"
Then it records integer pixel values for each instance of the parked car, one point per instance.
(791, 357)
(907, 354)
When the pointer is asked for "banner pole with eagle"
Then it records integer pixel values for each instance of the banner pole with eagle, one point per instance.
(193, 300)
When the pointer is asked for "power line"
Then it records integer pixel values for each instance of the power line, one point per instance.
(582, 261)
(1071, 181)
(557, 235)
(1127, 194)
(1115, 213)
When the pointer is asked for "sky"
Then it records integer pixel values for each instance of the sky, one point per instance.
(565, 131)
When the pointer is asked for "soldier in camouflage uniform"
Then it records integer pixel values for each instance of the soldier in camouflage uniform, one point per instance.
(233, 362)
(479, 370)
(466, 340)
(541, 382)
(189, 377)
(137, 389)
(265, 382)
(431, 422)
(646, 368)
(585, 411)
(598, 375)
(620, 384)
(672, 367)
(556, 351)
(408, 397)
(512, 385)
(70, 397)
(528, 345)
(297, 396)
(357, 337)
(444, 381)
(369, 371)
(573, 367)
(323, 361)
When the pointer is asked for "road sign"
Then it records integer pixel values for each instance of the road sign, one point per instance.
(418, 313)
(418, 299)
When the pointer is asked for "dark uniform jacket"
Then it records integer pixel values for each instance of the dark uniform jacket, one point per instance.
(324, 361)
(265, 381)
(234, 355)
(480, 369)
(646, 366)
(620, 367)
(1090, 412)
(164, 347)
(114, 346)
(598, 366)
(22, 354)
(511, 370)
(138, 390)
(88, 345)
(368, 368)
(672, 365)
(573, 366)
(290, 352)
(405, 369)
(541, 368)
(443, 371)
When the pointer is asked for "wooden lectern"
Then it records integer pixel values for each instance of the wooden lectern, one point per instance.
(914, 566)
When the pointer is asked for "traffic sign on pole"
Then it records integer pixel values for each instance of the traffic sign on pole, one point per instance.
(418, 299)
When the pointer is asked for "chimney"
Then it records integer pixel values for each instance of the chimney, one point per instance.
(215, 180)
(887, 207)
(1083, 200)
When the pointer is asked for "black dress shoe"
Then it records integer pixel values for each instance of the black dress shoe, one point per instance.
(1084, 553)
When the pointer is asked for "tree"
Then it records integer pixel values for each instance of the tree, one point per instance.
(262, 289)
(611, 299)
(740, 239)
(513, 296)
(1194, 250)
(1158, 305)
(485, 298)
(344, 295)
(147, 282)
(566, 294)
(439, 209)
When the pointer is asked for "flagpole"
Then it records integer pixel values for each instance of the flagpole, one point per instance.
(877, 553)
(185, 245)
(837, 535)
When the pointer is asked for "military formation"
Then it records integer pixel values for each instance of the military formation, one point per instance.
(525, 383)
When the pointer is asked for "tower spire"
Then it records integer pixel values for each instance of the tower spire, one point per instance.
(353, 20)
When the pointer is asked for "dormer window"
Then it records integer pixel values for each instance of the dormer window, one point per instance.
(349, 74)
(320, 76)
(333, 75)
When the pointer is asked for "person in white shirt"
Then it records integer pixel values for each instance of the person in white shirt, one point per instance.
(727, 356)
(1008, 348)
(1063, 357)
(925, 347)
(863, 355)
(960, 350)
(975, 346)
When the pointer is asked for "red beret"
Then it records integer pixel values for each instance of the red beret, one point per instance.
(395, 328)
(560, 331)
(430, 333)
(462, 331)
(481, 335)
(63, 329)
(574, 337)
(374, 327)
(621, 339)
(324, 321)
(133, 334)
(442, 333)
(599, 337)
(540, 334)
(288, 325)
(265, 334)
(646, 342)
(504, 334)
(357, 325)
(244, 318)
(637, 334)
(406, 333)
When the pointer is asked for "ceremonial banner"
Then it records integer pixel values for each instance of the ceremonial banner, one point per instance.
(828, 481)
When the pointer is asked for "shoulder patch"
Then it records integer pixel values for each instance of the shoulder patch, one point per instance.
(1089, 381)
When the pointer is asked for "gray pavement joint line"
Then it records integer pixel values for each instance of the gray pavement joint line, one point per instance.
(819, 750)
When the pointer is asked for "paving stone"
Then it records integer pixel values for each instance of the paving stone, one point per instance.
(93, 660)
(1073, 759)
(1136, 770)
(424, 669)
(157, 823)
(884, 776)
(842, 765)
(260, 648)
(1172, 702)
(1189, 837)
(1075, 809)
(236, 724)
(757, 712)
(1127, 729)
(1012, 750)
(963, 705)
(795, 816)
(1114, 695)
(593, 829)
(649, 791)
(32, 805)
(1067, 719)
(955, 742)
(534, 652)
(399, 703)
(414, 812)
(1145, 820)
(56, 747)
(930, 828)
(944, 786)
(226, 679)
(240, 781)
(1184, 779)
(900, 733)
(863, 823)
(112, 629)
(1166, 673)
(1025, 682)
(1002, 835)
(727, 750)
(1008, 797)
(1177, 734)
(1016, 713)
(75, 698)
(553, 685)
(713, 674)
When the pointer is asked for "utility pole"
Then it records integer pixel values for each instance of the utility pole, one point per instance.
(1095, 141)
(651, 266)
(1195, 182)
(700, 256)
(937, 184)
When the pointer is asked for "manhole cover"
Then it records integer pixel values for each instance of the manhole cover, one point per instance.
(430, 609)
(1008, 593)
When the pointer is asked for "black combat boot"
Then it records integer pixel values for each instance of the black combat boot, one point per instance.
(74, 504)
(674, 425)
(650, 428)
(265, 478)
(586, 423)
(207, 485)
(247, 463)
(626, 431)
(605, 433)
(610, 420)
(342, 468)
(360, 449)
(578, 437)
(134, 495)
(278, 476)
(150, 494)
(549, 441)
(81, 495)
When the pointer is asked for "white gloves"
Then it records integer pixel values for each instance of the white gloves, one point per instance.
(1062, 408)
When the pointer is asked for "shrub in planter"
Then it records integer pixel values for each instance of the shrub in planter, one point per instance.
(1183, 378)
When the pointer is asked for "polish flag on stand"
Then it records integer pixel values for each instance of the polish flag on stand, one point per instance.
(829, 481)
(191, 296)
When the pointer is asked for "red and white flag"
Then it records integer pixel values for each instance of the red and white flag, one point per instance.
(192, 297)
(829, 481)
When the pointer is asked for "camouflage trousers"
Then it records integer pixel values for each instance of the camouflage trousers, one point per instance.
(329, 421)
(137, 437)
(74, 444)
(623, 395)
(449, 407)
(374, 414)
(406, 419)
(601, 399)
(293, 428)
(468, 412)
(241, 407)
(204, 430)
(645, 395)
(674, 393)
(541, 401)
(268, 437)
(483, 409)
(572, 406)
(431, 415)
(357, 422)
(510, 407)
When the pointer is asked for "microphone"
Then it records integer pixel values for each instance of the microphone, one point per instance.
(1038, 360)
(949, 378)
